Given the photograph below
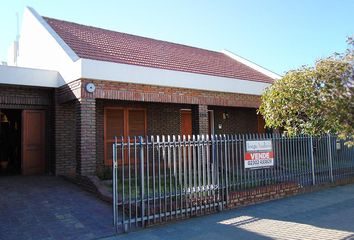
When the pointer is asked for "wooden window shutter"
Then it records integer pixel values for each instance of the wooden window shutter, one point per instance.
(113, 127)
(137, 122)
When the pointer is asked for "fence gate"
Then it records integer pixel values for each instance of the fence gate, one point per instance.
(157, 179)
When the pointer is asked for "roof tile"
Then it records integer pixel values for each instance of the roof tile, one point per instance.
(105, 45)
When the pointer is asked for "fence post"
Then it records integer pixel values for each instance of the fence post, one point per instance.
(312, 161)
(329, 146)
(114, 181)
(142, 183)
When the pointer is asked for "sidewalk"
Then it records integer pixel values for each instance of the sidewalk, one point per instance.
(328, 214)
(47, 207)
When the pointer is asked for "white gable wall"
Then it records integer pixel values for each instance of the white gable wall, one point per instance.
(38, 48)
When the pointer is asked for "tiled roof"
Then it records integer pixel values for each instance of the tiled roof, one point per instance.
(105, 45)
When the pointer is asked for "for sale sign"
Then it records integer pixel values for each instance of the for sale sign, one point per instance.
(259, 154)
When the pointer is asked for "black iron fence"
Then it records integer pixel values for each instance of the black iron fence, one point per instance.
(157, 179)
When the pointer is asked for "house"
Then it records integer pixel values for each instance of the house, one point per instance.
(75, 87)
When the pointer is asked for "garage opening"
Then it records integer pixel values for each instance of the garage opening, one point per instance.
(10, 141)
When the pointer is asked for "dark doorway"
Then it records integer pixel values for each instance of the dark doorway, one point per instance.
(10, 141)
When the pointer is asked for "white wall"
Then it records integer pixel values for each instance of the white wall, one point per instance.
(29, 77)
(144, 75)
(40, 47)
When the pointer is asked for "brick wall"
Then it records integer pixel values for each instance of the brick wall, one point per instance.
(241, 120)
(24, 98)
(65, 138)
(148, 93)
(86, 136)
(200, 121)
(162, 119)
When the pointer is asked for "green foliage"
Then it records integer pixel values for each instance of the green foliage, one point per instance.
(314, 100)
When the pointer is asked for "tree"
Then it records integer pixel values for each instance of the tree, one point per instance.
(314, 100)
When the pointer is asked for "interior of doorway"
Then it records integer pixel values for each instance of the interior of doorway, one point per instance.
(10, 141)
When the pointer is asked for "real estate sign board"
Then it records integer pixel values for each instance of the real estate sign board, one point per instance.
(259, 154)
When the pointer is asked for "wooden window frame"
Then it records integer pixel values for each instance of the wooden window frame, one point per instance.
(127, 119)
(108, 162)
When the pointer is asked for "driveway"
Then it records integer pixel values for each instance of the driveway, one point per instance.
(46, 207)
(327, 214)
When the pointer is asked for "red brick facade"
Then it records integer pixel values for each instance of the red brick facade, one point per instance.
(65, 138)
(75, 120)
(163, 105)
(200, 120)
(239, 120)
(86, 136)
(149, 93)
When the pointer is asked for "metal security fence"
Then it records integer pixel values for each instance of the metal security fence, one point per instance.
(158, 179)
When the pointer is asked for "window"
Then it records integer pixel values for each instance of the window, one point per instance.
(120, 122)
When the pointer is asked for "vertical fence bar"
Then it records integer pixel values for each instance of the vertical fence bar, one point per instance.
(123, 193)
(153, 177)
(326, 164)
(222, 168)
(319, 163)
(209, 184)
(284, 164)
(147, 179)
(198, 166)
(236, 164)
(136, 180)
(226, 157)
(142, 182)
(203, 162)
(175, 173)
(312, 160)
(169, 165)
(334, 158)
(114, 182)
(232, 163)
(217, 172)
(190, 175)
(241, 161)
(164, 176)
(212, 161)
(129, 184)
(185, 175)
(294, 158)
(329, 147)
(180, 175)
(159, 176)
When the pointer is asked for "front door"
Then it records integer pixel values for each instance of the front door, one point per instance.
(186, 122)
(33, 142)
